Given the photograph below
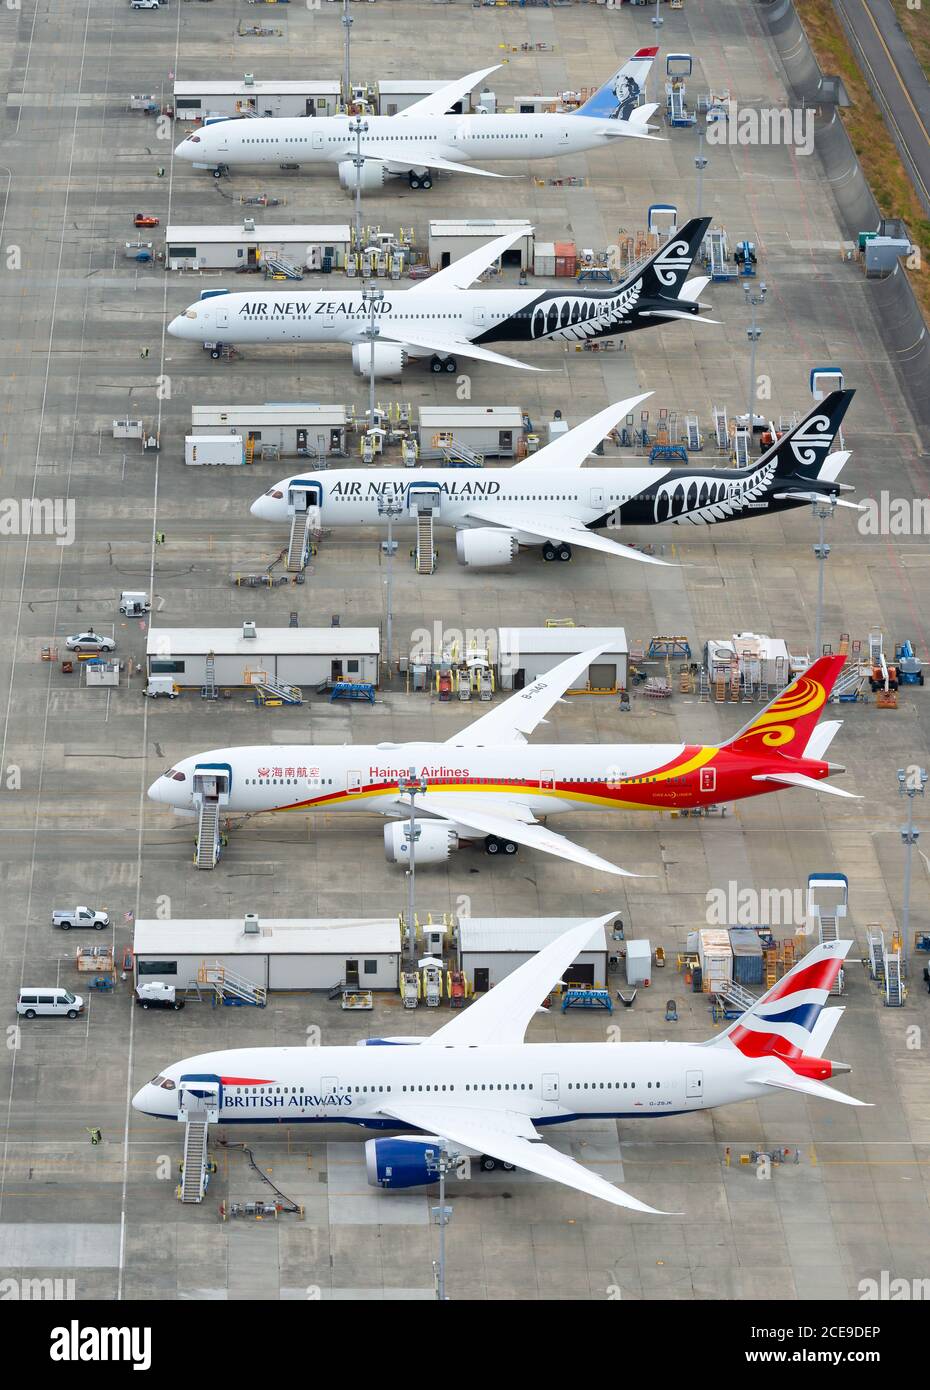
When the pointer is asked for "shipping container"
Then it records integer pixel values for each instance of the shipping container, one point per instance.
(716, 957)
(747, 956)
(566, 258)
(213, 448)
(544, 258)
(638, 962)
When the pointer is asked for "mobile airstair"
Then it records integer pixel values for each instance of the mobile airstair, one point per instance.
(231, 989)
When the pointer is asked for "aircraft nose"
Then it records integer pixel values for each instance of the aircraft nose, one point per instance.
(158, 791)
(176, 326)
(265, 508)
(143, 1099)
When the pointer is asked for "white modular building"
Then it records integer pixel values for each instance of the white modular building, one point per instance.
(250, 655)
(274, 953)
(491, 948)
(195, 101)
(285, 430)
(250, 245)
(493, 431)
(449, 241)
(524, 653)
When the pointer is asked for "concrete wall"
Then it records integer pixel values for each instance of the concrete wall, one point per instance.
(896, 309)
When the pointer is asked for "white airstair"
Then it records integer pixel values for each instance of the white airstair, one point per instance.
(454, 451)
(194, 1174)
(278, 266)
(208, 834)
(734, 993)
(298, 546)
(425, 551)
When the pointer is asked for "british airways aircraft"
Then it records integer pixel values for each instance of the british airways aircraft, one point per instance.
(423, 139)
(486, 783)
(549, 499)
(441, 317)
(476, 1088)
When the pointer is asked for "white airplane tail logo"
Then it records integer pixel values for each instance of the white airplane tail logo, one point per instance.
(815, 439)
(671, 261)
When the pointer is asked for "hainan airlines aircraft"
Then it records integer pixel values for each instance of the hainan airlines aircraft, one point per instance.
(548, 499)
(476, 1088)
(441, 317)
(486, 783)
(423, 139)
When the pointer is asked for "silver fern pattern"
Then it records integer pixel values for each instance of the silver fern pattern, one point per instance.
(572, 318)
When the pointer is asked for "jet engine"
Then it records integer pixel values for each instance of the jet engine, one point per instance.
(389, 359)
(400, 1162)
(372, 175)
(485, 548)
(434, 845)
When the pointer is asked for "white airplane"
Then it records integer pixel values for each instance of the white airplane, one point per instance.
(423, 139)
(441, 317)
(486, 783)
(476, 1088)
(549, 499)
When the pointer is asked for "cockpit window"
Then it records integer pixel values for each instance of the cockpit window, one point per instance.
(190, 313)
(156, 1080)
(194, 139)
(274, 492)
(167, 1084)
(175, 776)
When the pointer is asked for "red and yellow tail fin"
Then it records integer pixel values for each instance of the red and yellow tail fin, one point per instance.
(787, 723)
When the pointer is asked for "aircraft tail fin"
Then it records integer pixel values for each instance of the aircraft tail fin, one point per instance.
(617, 99)
(792, 716)
(802, 451)
(785, 1023)
(664, 274)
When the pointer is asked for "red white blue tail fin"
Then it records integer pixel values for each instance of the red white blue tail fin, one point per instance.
(783, 1023)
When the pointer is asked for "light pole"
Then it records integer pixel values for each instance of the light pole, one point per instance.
(439, 1163)
(372, 296)
(823, 509)
(409, 786)
(911, 783)
(347, 22)
(700, 164)
(389, 510)
(657, 22)
(358, 128)
(753, 333)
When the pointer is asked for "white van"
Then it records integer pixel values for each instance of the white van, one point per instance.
(34, 1001)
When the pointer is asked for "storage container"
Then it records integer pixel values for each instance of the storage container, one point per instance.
(747, 956)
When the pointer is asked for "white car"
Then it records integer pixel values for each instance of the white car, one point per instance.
(89, 642)
(144, 4)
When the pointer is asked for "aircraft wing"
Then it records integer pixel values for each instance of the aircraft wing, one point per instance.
(520, 714)
(504, 1135)
(452, 347)
(503, 1014)
(513, 823)
(438, 103)
(404, 157)
(465, 271)
(550, 529)
(570, 450)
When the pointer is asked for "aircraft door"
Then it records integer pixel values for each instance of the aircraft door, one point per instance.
(597, 497)
(708, 779)
(212, 781)
(353, 780)
(222, 318)
(200, 1097)
(329, 1089)
(550, 1085)
(480, 315)
(694, 1085)
(547, 780)
(317, 140)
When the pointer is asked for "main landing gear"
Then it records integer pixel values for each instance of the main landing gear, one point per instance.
(495, 845)
(488, 1164)
(442, 364)
(424, 180)
(556, 550)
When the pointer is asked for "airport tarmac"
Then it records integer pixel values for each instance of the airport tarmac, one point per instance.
(75, 762)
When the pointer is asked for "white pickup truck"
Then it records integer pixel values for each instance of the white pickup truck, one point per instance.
(69, 917)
